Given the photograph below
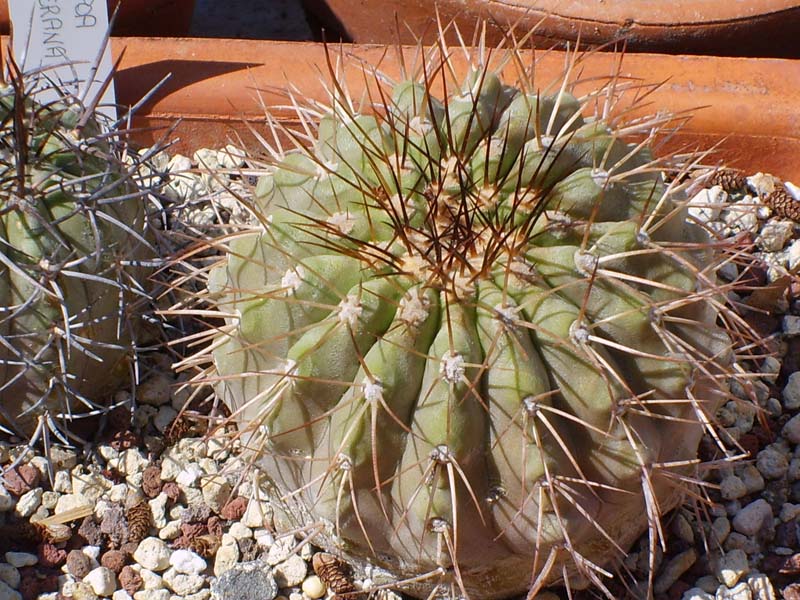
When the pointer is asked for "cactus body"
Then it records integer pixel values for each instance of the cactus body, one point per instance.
(475, 336)
(72, 237)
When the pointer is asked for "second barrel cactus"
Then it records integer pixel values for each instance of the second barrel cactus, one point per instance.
(75, 261)
(475, 336)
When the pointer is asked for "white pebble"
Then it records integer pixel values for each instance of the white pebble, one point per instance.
(150, 580)
(155, 390)
(281, 549)
(6, 593)
(164, 417)
(762, 184)
(29, 502)
(118, 492)
(182, 583)
(792, 190)
(265, 539)
(789, 512)
(93, 552)
(313, 587)
(753, 480)
(49, 500)
(216, 491)
(761, 586)
(6, 500)
(794, 254)
(707, 203)
(189, 476)
(290, 572)
(227, 556)
(772, 463)
(791, 430)
(741, 591)
(676, 567)
(240, 531)
(171, 530)
(121, 595)
(172, 463)
(152, 595)
(753, 518)
(9, 574)
(732, 488)
(720, 528)
(790, 325)
(741, 216)
(731, 567)
(158, 508)
(86, 485)
(255, 513)
(774, 235)
(791, 392)
(21, 559)
(187, 562)
(102, 581)
(69, 502)
(152, 553)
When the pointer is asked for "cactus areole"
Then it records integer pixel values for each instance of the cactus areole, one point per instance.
(474, 337)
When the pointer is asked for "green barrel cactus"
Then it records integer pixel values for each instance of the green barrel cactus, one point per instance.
(74, 255)
(475, 337)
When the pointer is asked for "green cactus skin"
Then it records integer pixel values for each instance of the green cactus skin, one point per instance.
(73, 248)
(475, 337)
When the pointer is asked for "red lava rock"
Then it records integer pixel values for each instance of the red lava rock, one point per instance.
(786, 535)
(753, 276)
(124, 440)
(764, 435)
(128, 549)
(791, 565)
(172, 491)
(20, 480)
(114, 560)
(791, 362)
(248, 549)
(78, 564)
(764, 325)
(191, 530)
(677, 590)
(32, 583)
(749, 443)
(151, 481)
(197, 513)
(771, 563)
(234, 509)
(792, 592)
(130, 580)
(214, 526)
(119, 419)
(114, 525)
(50, 556)
(90, 531)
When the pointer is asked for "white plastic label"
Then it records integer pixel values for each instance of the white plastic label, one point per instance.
(67, 40)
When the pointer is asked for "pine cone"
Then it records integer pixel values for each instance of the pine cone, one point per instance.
(783, 204)
(139, 518)
(728, 179)
(334, 572)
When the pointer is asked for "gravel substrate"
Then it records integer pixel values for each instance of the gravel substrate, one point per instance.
(156, 509)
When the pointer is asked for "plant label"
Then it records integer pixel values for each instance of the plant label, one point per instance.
(63, 45)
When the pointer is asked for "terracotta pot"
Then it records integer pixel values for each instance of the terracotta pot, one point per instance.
(720, 27)
(749, 105)
(139, 17)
